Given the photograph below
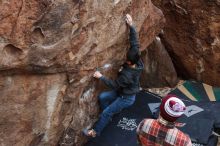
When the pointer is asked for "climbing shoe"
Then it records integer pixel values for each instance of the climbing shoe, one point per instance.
(89, 132)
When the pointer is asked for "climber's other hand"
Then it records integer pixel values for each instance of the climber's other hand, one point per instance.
(97, 75)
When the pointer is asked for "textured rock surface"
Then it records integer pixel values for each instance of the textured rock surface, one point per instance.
(159, 70)
(192, 36)
(30, 108)
(49, 50)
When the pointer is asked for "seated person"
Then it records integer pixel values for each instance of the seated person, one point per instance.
(163, 131)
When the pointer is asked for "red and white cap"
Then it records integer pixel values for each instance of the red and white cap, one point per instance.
(172, 108)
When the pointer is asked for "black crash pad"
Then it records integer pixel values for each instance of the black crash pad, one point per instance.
(122, 130)
(197, 91)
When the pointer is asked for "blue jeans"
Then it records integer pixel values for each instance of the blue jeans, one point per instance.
(111, 103)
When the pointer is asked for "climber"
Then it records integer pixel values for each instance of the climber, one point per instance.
(163, 131)
(123, 88)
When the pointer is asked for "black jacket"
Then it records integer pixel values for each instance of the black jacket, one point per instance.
(127, 82)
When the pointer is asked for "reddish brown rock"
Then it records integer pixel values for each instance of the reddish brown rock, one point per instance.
(49, 50)
(192, 36)
(159, 70)
(30, 108)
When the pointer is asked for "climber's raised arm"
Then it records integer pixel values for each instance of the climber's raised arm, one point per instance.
(133, 34)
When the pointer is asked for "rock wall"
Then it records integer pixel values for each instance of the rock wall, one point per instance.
(49, 50)
(159, 70)
(192, 37)
(30, 108)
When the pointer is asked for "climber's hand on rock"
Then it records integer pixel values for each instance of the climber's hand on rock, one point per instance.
(128, 19)
(97, 75)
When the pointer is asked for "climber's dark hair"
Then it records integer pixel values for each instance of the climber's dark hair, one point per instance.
(133, 56)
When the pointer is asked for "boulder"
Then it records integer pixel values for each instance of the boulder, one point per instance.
(192, 37)
(49, 50)
(31, 108)
(159, 70)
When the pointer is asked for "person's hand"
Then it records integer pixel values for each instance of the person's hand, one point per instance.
(97, 75)
(128, 19)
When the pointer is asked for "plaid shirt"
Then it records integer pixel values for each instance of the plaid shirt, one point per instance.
(161, 133)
